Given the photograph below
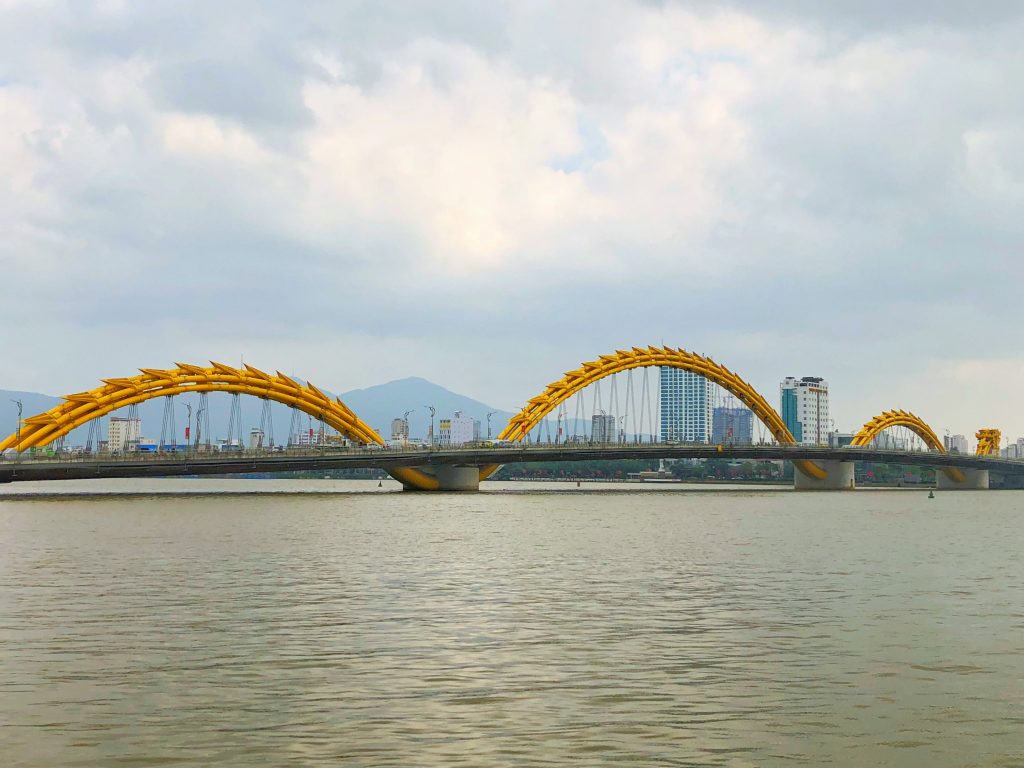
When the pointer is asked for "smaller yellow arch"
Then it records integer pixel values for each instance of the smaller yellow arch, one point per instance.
(900, 418)
(988, 442)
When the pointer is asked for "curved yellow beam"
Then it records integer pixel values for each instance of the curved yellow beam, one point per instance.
(79, 409)
(83, 407)
(606, 365)
(988, 442)
(915, 424)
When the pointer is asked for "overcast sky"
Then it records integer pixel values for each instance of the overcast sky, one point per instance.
(487, 193)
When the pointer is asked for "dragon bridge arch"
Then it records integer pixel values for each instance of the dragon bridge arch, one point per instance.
(899, 418)
(117, 393)
(623, 360)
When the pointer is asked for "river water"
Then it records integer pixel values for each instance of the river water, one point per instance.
(194, 622)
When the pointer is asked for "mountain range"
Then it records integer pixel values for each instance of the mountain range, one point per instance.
(376, 405)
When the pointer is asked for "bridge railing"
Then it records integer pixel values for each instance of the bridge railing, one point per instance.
(412, 451)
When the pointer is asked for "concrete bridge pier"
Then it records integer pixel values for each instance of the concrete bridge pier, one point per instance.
(840, 477)
(452, 478)
(974, 480)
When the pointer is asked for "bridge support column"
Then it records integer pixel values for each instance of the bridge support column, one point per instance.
(974, 480)
(840, 477)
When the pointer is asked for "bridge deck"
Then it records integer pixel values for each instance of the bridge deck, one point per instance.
(172, 465)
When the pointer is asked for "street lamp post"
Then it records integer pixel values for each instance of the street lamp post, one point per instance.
(17, 431)
(489, 424)
(199, 428)
(188, 427)
(432, 412)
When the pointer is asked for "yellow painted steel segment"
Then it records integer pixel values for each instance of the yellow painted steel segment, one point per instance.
(988, 442)
(415, 478)
(897, 418)
(116, 393)
(900, 418)
(559, 391)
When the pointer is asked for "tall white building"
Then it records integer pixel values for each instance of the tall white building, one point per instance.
(805, 409)
(399, 430)
(685, 406)
(123, 434)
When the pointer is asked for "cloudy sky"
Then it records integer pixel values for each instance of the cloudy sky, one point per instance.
(486, 194)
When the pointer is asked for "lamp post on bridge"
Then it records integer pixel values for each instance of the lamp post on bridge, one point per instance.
(432, 412)
(199, 430)
(489, 424)
(188, 427)
(17, 432)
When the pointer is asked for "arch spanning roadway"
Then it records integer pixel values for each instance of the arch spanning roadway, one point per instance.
(559, 391)
(83, 407)
(915, 424)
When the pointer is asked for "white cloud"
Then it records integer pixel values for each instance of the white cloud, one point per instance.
(787, 191)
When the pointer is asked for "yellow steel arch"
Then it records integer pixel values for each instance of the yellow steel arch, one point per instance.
(915, 424)
(988, 442)
(606, 365)
(79, 409)
(83, 407)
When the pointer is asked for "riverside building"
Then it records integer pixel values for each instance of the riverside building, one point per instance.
(732, 425)
(602, 428)
(804, 409)
(458, 430)
(685, 406)
(123, 434)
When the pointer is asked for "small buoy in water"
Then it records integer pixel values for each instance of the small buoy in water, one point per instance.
(931, 494)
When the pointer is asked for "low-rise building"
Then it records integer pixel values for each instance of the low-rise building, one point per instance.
(458, 430)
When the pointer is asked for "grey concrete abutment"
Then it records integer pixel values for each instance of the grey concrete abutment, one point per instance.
(974, 480)
(839, 478)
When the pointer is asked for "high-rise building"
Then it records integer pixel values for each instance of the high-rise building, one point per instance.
(123, 434)
(399, 429)
(732, 425)
(955, 443)
(602, 428)
(804, 409)
(685, 406)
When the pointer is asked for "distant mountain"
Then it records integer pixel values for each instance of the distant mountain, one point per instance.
(376, 405)
(32, 403)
